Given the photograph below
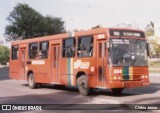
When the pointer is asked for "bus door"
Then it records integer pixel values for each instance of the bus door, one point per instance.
(22, 62)
(55, 62)
(101, 63)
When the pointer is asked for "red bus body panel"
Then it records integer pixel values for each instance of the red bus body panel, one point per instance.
(68, 68)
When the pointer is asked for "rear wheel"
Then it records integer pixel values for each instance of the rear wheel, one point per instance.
(117, 90)
(82, 83)
(31, 83)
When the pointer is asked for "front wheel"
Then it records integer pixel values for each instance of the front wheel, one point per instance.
(82, 83)
(117, 90)
(31, 83)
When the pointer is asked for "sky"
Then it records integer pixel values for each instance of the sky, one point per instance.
(84, 14)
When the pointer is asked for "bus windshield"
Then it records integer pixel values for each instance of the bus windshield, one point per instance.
(128, 52)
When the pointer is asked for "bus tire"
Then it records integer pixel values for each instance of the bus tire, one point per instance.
(31, 82)
(117, 90)
(82, 83)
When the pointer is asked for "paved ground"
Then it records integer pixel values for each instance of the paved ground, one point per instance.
(17, 92)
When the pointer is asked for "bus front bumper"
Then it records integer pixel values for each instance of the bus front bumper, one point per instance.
(128, 84)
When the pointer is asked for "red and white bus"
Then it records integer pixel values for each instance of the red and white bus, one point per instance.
(114, 58)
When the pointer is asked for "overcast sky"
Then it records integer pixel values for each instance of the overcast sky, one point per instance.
(84, 14)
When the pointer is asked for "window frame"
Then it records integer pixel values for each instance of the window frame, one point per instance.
(92, 42)
(29, 44)
(63, 47)
(17, 52)
(39, 49)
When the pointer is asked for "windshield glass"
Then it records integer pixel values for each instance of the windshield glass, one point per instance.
(127, 52)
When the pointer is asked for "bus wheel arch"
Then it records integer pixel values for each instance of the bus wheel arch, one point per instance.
(82, 83)
(30, 77)
(80, 73)
(30, 71)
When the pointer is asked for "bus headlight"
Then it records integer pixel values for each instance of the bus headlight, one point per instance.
(119, 78)
(146, 76)
(114, 78)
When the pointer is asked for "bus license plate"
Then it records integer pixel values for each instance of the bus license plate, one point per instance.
(132, 84)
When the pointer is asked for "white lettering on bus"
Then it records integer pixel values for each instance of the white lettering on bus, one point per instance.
(117, 71)
(101, 36)
(81, 65)
(92, 69)
(35, 62)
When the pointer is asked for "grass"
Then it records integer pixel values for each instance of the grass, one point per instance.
(154, 71)
(154, 64)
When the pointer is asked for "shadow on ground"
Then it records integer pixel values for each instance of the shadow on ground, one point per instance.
(67, 102)
(59, 101)
(154, 87)
(95, 92)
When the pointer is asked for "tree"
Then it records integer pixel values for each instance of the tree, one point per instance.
(25, 22)
(4, 54)
(156, 49)
(125, 25)
(97, 26)
(149, 30)
(53, 25)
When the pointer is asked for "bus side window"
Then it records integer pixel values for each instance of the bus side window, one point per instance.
(44, 46)
(33, 50)
(85, 46)
(15, 52)
(68, 47)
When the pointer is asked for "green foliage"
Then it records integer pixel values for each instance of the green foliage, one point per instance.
(154, 64)
(4, 54)
(53, 25)
(156, 48)
(25, 22)
(97, 26)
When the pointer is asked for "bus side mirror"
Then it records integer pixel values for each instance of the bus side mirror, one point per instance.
(148, 49)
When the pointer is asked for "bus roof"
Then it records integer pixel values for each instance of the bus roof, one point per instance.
(76, 34)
